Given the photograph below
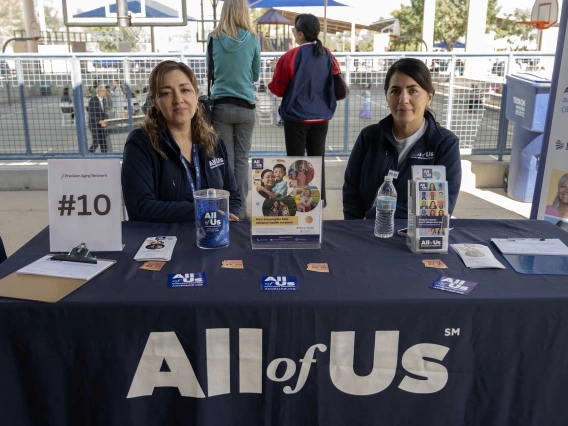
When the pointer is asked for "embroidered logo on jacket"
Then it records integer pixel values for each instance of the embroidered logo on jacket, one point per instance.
(423, 155)
(216, 162)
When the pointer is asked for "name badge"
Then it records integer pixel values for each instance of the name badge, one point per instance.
(272, 283)
(192, 279)
(393, 174)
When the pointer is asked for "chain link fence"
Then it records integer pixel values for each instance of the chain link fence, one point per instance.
(43, 100)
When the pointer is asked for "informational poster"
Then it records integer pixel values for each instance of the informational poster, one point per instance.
(551, 191)
(286, 202)
(84, 204)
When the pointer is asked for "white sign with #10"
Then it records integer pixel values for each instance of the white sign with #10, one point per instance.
(84, 204)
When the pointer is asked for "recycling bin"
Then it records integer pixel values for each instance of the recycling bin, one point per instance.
(526, 106)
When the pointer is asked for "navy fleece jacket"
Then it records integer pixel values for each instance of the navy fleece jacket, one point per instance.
(375, 153)
(154, 187)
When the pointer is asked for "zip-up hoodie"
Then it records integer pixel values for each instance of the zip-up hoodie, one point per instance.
(375, 153)
(305, 83)
(155, 188)
(237, 66)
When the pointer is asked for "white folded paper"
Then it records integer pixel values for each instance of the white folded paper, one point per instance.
(64, 269)
(531, 246)
(476, 256)
(156, 248)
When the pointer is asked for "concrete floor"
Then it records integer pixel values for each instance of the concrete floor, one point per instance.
(24, 213)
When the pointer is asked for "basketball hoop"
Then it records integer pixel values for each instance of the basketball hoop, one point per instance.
(539, 25)
(393, 36)
(544, 14)
(34, 31)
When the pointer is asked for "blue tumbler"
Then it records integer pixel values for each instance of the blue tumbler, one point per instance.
(211, 218)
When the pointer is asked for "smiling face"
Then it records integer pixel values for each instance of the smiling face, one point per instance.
(407, 101)
(279, 173)
(176, 99)
(563, 191)
(268, 179)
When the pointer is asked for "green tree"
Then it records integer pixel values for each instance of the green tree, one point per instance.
(510, 30)
(53, 21)
(11, 19)
(107, 37)
(450, 20)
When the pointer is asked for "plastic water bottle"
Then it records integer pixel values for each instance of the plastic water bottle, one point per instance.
(386, 205)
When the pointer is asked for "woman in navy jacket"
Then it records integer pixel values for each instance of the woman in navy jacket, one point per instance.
(174, 153)
(409, 136)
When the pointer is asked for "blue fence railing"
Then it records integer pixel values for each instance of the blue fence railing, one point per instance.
(37, 121)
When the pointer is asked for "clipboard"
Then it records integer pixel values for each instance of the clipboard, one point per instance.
(40, 288)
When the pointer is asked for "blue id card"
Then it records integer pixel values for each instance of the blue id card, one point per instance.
(273, 283)
(193, 279)
(453, 285)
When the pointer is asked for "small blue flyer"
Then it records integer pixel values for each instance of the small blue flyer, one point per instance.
(272, 283)
(453, 285)
(193, 279)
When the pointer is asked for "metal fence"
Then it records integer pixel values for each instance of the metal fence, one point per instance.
(37, 122)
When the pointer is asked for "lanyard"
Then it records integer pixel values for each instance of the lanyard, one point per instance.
(197, 186)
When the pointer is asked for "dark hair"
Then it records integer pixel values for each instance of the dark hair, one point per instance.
(280, 166)
(415, 69)
(265, 171)
(310, 26)
(154, 123)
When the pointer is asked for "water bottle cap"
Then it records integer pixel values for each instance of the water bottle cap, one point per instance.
(388, 178)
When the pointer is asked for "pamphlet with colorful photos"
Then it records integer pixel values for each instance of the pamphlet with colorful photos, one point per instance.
(286, 202)
(428, 218)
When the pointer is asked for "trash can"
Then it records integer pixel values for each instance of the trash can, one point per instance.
(527, 102)
(45, 88)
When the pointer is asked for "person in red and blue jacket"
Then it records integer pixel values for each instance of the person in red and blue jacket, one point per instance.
(304, 79)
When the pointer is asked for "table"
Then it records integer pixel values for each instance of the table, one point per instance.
(367, 344)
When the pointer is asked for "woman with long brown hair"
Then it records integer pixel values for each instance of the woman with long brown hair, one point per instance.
(175, 153)
(235, 49)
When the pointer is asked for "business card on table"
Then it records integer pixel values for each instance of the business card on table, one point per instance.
(318, 267)
(232, 264)
(434, 263)
(279, 283)
(453, 285)
(192, 279)
(153, 266)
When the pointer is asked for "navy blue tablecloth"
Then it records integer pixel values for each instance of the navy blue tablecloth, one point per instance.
(125, 349)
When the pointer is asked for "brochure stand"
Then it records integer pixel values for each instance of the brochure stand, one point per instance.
(287, 209)
(428, 218)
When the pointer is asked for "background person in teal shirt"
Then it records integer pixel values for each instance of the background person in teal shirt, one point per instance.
(236, 66)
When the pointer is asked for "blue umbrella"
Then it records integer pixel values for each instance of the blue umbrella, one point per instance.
(153, 10)
(444, 45)
(291, 3)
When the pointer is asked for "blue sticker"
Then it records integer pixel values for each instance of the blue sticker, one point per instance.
(279, 283)
(193, 279)
(453, 285)
(257, 163)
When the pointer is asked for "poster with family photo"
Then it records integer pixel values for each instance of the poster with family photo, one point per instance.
(286, 202)
(556, 210)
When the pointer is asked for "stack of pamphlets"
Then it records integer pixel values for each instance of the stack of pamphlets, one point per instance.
(156, 249)
(477, 256)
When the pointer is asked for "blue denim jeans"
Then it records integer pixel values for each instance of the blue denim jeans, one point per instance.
(235, 125)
